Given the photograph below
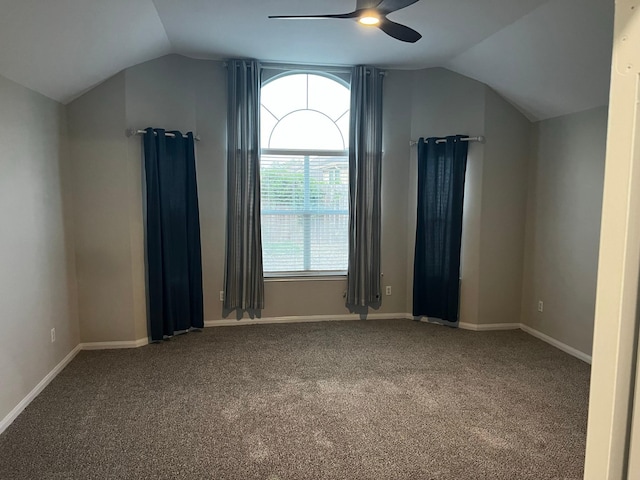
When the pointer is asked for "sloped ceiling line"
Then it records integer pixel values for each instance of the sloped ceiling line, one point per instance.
(548, 57)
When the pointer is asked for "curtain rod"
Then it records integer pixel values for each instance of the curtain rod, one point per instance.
(319, 68)
(303, 67)
(479, 138)
(130, 132)
(294, 66)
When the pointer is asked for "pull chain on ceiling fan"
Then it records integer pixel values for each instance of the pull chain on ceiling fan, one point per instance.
(374, 14)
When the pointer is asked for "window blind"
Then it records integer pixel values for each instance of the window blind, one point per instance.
(305, 213)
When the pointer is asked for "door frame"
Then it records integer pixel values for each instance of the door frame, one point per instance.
(616, 315)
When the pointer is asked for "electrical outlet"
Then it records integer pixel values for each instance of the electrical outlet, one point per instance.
(53, 335)
(222, 295)
(388, 290)
(540, 305)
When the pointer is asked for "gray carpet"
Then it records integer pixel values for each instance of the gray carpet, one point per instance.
(336, 400)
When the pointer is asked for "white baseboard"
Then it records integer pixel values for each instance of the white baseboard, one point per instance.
(114, 345)
(6, 421)
(304, 319)
(475, 327)
(329, 318)
(13, 414)
(556, 343)
(525, 328)
(348, 317)
(487, 327)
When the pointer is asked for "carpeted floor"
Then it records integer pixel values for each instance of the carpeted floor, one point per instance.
(335, 400)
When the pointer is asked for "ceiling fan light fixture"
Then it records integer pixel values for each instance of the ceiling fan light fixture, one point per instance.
(370, 18)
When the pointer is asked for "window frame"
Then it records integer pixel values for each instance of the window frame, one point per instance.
(305, 154)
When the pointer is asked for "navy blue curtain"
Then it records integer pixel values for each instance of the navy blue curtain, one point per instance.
(174, 264)
(436, 273)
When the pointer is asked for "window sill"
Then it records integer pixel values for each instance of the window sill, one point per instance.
(305, 277)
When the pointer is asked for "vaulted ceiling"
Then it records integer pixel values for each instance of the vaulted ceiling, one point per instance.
(548, 57)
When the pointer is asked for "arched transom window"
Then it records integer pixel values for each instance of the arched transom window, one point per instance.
(305, 111)
(304, 174)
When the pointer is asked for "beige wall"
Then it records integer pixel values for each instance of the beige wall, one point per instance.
(178, 93)
(71, 200)
(175, 92)
(503, 211)
(445, 103)
(102, 180)
(396, 174)
(37, 277)
(563, 226)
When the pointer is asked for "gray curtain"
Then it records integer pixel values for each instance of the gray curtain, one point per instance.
(365, 164)
(244, 280)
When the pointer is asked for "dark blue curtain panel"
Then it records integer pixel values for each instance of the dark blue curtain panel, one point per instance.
(441, 174)
(174, 263)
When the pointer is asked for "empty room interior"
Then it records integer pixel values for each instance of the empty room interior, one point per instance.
(359, 239)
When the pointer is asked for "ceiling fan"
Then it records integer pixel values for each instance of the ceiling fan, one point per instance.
(373, 13)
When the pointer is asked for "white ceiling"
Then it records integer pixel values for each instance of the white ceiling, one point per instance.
(548, 57)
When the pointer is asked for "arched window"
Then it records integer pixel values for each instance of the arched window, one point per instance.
(304, 174)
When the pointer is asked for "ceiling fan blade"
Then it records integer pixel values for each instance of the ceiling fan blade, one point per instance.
(303, 17)
(367, 4)
(388, 6)
(399, 32)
